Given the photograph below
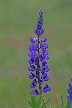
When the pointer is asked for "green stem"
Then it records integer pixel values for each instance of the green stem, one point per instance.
(43, 100)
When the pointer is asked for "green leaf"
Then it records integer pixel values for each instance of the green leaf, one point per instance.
(39, 101)
(30, 103)
(45, 102)
(34, 101)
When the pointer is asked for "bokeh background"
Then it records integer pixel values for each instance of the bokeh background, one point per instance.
(17, 21)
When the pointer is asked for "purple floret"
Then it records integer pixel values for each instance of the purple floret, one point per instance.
(31, 75)
(44, 39)
(46, 88)
(35, 92)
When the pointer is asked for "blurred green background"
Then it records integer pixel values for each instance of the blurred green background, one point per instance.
(17, 21)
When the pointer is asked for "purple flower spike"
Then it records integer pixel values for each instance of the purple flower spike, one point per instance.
(69, 90)
(39, 28)
(38, 57)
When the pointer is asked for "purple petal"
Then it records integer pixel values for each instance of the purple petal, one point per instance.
(36, 74)
(36, 61)
(46, 66)
(29, 68)
(30, 61)
(46, 78)
(39, 54)
(46, 69)
(71, 79)
(44, 39)
(32, 85)
(44, 74)
(36, 31)
(44, 63)
(45, 46)
(46, 53)
(29, 54)
(31, 47)
(68, 97)
(42, 31)
(41, 45)
(32, 40)
(43, 50)
(31, 76)
(46, 88)
(35, 81)
(40, 83)
(35, 92)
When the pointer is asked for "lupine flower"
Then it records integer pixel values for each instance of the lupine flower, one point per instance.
(69, 90)
(38, 56)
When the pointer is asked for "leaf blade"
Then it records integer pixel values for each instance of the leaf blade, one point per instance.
(30, 103)
(45, 102)
(34, 101)
(39, 101)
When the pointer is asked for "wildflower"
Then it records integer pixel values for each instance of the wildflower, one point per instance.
(38, 56)
(69, 90)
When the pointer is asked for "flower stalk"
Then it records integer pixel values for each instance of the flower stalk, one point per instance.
(38, 53)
